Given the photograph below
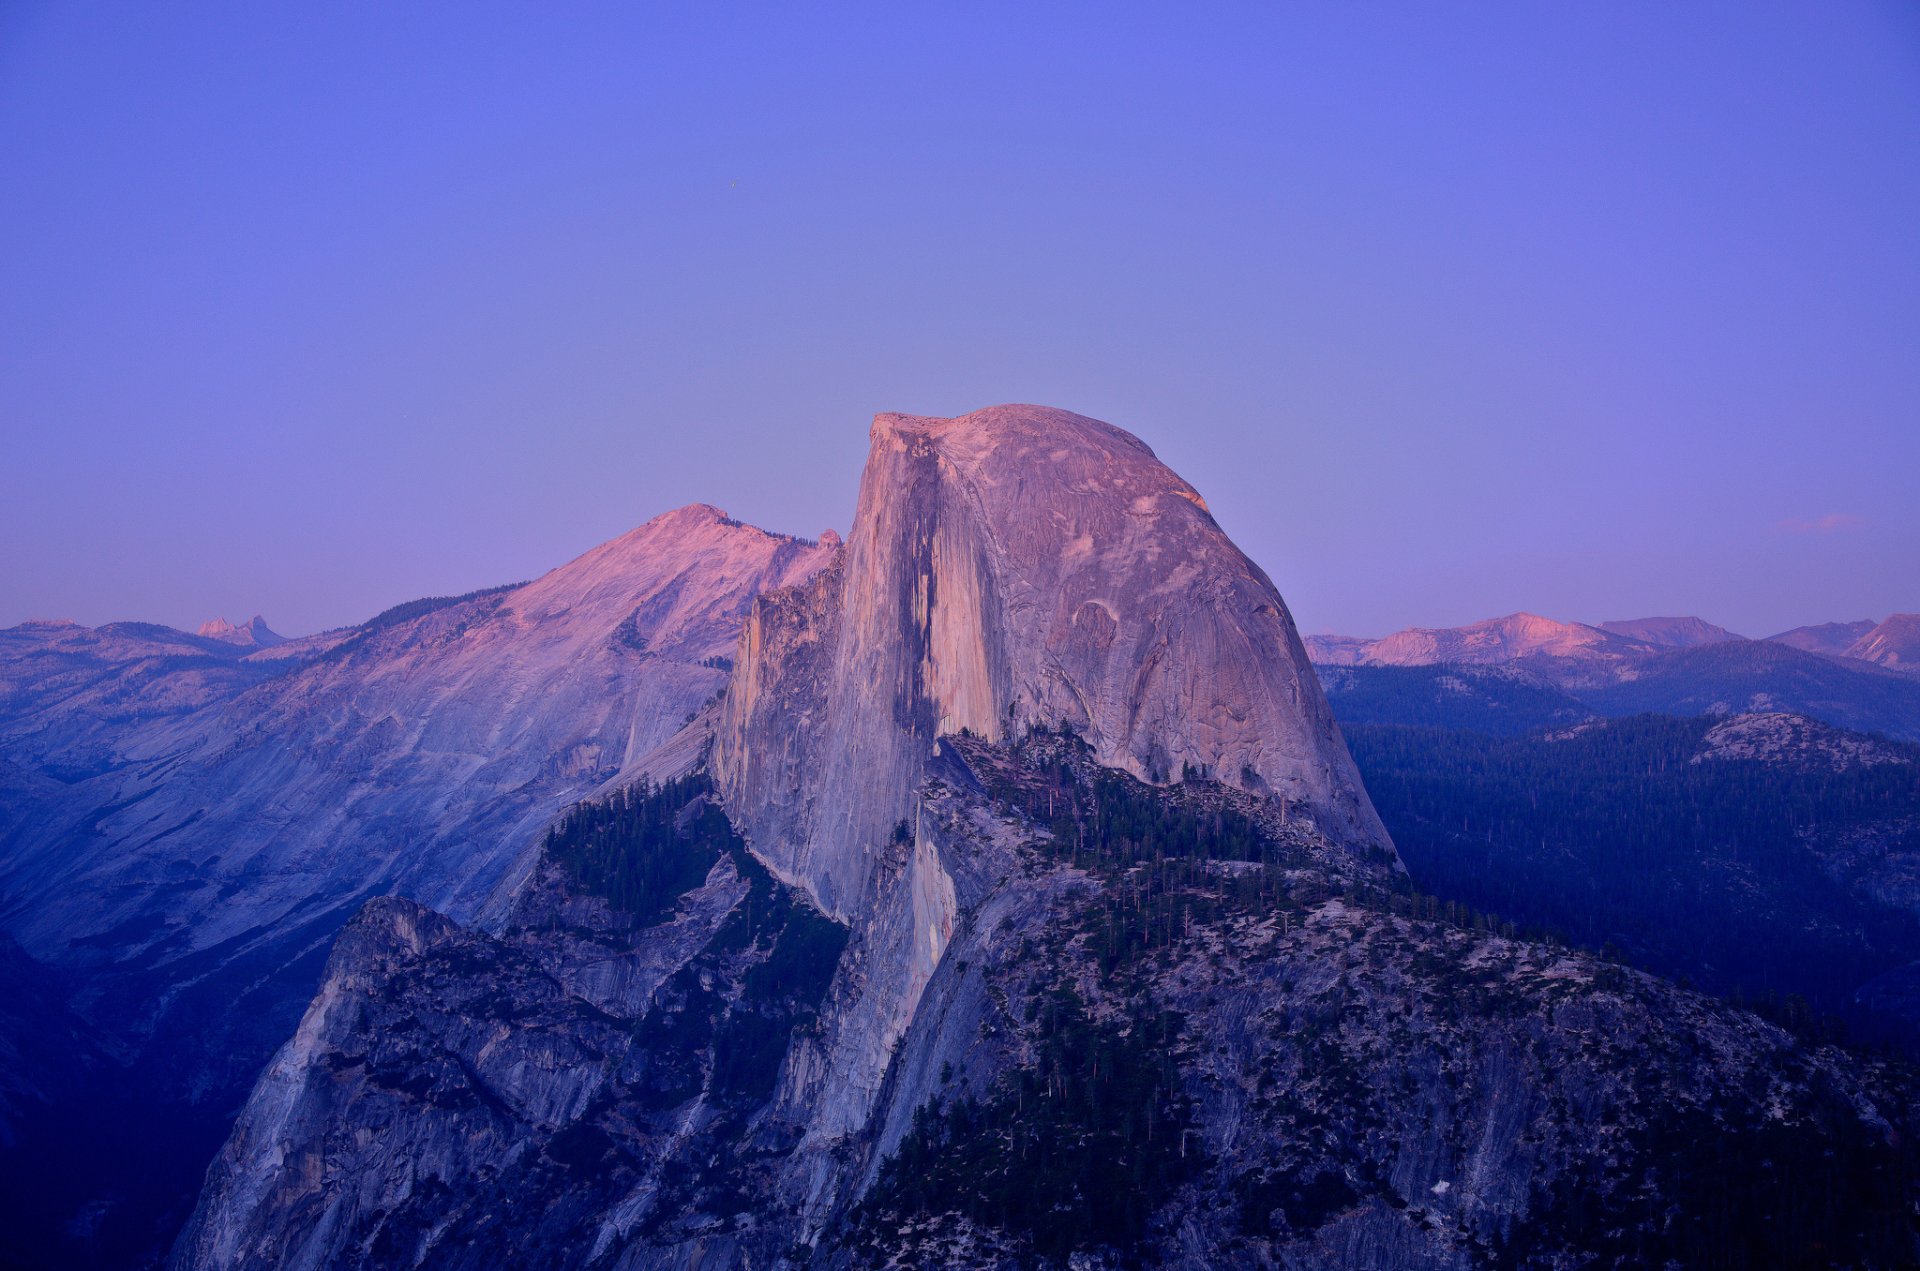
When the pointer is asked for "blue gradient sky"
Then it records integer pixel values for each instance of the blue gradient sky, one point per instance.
(1449, 310)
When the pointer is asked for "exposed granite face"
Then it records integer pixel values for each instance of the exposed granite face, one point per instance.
(1339, 1078)
(1017, 566)
(1790, 741)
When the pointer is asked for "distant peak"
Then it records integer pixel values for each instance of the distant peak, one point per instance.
(254, 631)
(1522, 621)
(698, 512)
(694, 518)
(1832, 638)
(1684, 632)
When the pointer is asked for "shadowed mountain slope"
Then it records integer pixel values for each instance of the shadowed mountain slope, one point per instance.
(234, 813)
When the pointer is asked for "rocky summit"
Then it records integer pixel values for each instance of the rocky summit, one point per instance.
(1023, 910)
(1012, 567)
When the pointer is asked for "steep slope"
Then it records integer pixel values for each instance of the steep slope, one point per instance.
(1894, 644)
(1830, 638)
(195, 886)
(1014, 566)
(1671, 633)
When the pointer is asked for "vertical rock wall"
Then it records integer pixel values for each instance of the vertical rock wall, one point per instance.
(1017, 566)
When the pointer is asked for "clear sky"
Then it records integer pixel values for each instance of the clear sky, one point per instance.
(1599, 310)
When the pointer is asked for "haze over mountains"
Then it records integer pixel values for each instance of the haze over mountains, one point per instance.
(1673, 633)
(1832, 638)
(1894, 643)
(992, 889)
(1523, 671)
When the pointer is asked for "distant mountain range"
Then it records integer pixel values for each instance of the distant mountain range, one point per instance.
(1511, 674)
(1894, 644)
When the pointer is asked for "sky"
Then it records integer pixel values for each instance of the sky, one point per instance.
(1598, 311)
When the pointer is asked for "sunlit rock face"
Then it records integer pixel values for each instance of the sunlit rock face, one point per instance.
(251, 634)
(1016, 566)
(1894, 644)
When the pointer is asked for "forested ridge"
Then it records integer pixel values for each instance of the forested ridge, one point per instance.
(1614, 836)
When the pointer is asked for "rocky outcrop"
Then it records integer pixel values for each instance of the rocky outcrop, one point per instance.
(1791, 742)
(251, 634)
(574, 1082)
(1013, 567)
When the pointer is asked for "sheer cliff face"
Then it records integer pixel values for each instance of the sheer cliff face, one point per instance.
(1011, 567)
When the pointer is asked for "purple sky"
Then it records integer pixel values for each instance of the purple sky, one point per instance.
(1449, 310)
